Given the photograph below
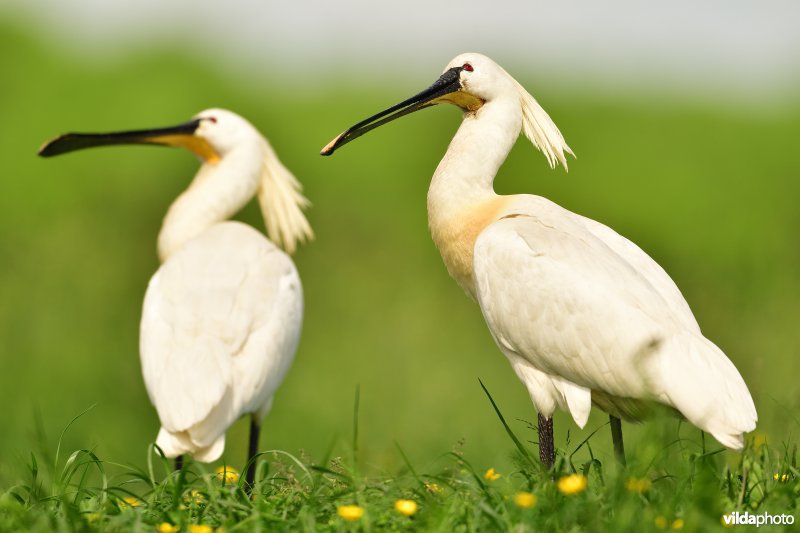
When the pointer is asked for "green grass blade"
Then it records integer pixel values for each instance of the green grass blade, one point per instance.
(63, 432)
(510, 432)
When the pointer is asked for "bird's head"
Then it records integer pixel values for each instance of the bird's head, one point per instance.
(213, 135)
(470, 81)
(480, 80)
(224, 130)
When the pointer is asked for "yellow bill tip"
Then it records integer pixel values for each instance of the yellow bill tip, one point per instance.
(328, 150)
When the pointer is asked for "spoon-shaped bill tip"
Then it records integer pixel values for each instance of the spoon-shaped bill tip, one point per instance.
(55, 146)
(331, 146)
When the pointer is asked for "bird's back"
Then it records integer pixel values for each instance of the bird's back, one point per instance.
(220, 325)
(575, 300)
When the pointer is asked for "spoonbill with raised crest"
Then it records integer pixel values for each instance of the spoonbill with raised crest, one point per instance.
(222, 315)
(582, 314)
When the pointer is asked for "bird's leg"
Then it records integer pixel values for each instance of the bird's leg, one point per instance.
(252, 450)
(547, 452)
(179, 463)
(616, 437)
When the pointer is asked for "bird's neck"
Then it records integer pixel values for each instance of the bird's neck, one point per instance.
(217, 192)
(461, 198)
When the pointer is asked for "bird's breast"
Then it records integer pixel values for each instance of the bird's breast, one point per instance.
(455, 233)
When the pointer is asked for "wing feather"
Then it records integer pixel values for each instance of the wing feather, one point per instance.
(557, 296)
(582, 304)
(648, 268)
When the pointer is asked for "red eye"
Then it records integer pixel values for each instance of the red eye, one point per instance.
(212, 119)
(467, 67)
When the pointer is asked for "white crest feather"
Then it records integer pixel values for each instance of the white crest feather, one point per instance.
(282, 202)
(542, 131)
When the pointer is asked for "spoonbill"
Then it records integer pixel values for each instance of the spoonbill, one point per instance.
(582, 314)
(222, 315)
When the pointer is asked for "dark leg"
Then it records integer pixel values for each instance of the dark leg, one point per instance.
(252, 450)
(616, 438)
(179, 463)
(547, 452)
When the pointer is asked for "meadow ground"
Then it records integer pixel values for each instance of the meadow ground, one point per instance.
(684, 485)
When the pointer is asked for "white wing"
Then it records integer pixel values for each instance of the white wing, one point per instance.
(647, 268)
(600, 314)
(220, 325)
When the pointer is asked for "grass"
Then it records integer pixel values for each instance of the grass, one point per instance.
(687, 484)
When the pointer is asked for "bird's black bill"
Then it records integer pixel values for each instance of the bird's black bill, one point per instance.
(180, 135)
(447, 83)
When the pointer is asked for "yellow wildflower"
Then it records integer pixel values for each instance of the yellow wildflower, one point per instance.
(433, 488)
(405, 507)
(783, 478)
(200, 528)
(195, 496)
(228, 474)
(491, 475)
(677, 523)
(166, 527)
(573, 484)
(661, 522)
(93, 517)
(129, 501)
(351, 513)
(759, 439)
(638, 484)
(526, 500)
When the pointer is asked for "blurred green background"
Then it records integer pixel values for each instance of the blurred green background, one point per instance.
(711, 192)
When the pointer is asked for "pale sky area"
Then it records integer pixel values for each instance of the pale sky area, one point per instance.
(729, 50)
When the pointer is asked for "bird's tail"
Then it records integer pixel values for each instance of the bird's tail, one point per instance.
(704, 385)
(178, 443)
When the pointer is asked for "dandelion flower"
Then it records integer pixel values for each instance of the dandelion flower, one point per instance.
(405, 507)
(661, 522)
(491, 475)
(638, 484)
(526, 500)
(129, 501)
(166, 527)
(433, 488)
(573, 484)
(200, 528)
(351, 513)
(677, 523)
(228, 474)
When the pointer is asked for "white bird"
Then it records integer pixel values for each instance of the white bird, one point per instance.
(582, 314)
(222, 315)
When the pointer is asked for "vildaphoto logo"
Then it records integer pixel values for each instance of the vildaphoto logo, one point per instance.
(741, 519)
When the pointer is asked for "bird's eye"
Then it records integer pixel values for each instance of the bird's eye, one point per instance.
(467, 67)
(212, 119)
